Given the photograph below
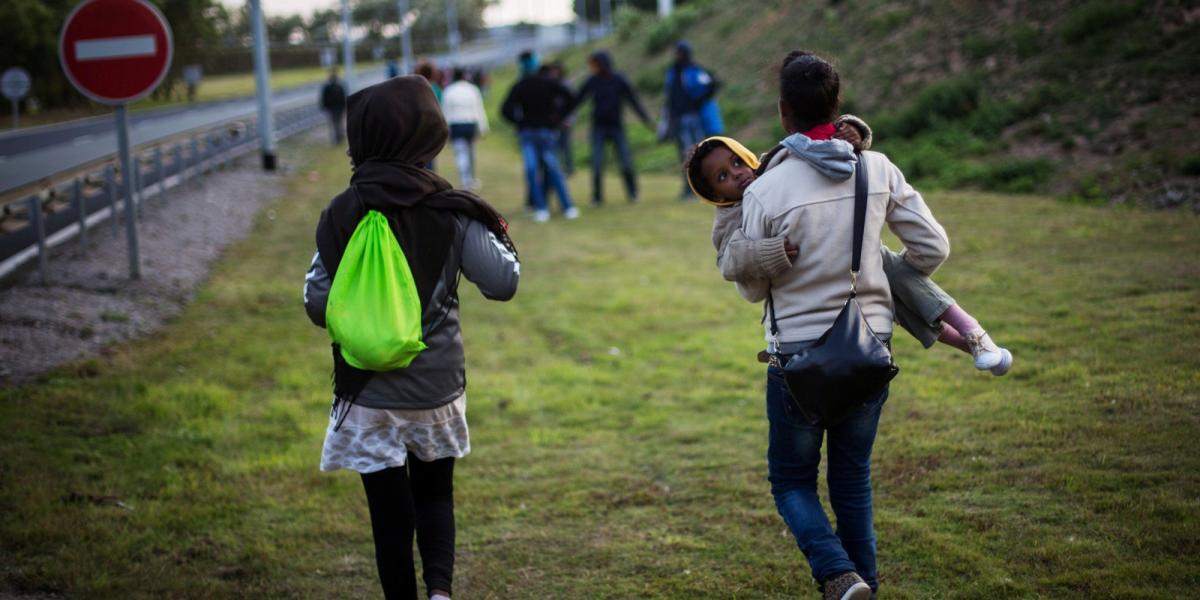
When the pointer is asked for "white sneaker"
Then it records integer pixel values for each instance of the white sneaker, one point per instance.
(541, 216)
(1005, 363)
(987, 354)
(571, 213)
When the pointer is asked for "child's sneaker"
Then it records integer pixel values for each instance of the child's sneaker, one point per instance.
(847, 586)
(541, 216)
(988, 356)
(571, 213)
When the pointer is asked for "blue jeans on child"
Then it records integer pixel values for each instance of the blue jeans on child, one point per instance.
(539, 146)
(793, 457)
(601, 134)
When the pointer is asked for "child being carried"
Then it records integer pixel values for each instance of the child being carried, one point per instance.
(719, 171)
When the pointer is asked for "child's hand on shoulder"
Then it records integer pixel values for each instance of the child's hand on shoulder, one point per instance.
(849, 133)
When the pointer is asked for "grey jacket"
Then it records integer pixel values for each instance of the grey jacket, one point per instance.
(438, 375)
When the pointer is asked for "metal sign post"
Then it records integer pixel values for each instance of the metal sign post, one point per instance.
(116, 52)
(262, 85)
(15, 85)
(127, 167)
(407, 19)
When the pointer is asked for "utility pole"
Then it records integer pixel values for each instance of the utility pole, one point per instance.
(452, 35)
(665, 7)
(262, 85)
(347, 48)
(606, 16)
(406, 66)
(581, 24)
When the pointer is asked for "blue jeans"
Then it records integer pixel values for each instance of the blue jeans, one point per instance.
(793, 457)
(689, 131)
(615, 134)
(539, 146)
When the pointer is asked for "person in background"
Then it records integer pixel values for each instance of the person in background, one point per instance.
(462, 103)
(431, 74)
(393, 68)
(333, 102)
(536, 104)
(690, 113)
(609, 91)
(558, 72)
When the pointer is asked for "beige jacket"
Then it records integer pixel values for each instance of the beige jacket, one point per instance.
(815, 213)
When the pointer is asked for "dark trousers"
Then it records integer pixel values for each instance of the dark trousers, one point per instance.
(602, 135)
(420, 497)
(337, 124)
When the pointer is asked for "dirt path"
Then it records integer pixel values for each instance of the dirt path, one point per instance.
(89, 302)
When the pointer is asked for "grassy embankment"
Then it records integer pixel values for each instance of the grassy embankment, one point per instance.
(618, 426)
(1090, 100)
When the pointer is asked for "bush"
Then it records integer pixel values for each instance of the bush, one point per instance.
(1026, 40)
(627, 21)
(669, 30)
(887, 21)
(946, 100)
(1098, 16)
(978, 46)
(1014, 175)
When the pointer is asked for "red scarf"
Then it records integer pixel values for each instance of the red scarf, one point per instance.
(821, 132)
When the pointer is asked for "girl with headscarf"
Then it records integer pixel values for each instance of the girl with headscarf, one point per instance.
(403, 429)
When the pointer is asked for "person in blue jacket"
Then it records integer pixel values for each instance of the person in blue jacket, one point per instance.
(609, 91)
(690, 113)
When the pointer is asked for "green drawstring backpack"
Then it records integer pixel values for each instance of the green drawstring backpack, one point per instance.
(373, 312)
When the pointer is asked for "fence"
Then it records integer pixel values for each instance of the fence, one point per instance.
(75, 206)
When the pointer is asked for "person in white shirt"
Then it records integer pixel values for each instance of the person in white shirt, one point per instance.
(463, 106)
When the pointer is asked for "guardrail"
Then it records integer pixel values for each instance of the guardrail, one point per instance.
(74, 206)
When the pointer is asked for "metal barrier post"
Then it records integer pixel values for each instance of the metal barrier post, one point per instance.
(195, 157)
(39, 228)
(110, 188)
(177, 152)
(135, 180)
(158, 166)
(81, 211)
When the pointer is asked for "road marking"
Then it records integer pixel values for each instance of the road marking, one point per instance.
(83, 139)
(115, 47)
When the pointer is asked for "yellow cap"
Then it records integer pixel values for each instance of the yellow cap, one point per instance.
(735, 147)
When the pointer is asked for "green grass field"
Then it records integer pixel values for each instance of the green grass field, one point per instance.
(618, 425)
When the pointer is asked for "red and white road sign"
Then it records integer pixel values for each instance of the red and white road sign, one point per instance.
(115, 51)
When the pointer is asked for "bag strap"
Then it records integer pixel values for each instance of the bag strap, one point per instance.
(860, 224)
(860, 221)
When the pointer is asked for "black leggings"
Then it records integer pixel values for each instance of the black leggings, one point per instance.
(418, 496)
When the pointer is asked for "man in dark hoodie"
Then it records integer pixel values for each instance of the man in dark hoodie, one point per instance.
(690, 111)
(609, 90)
(537, 105)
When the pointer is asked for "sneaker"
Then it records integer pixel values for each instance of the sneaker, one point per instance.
(541, 216)
(987, 354)
(571, 213)
(847, 586)
(1006, 361)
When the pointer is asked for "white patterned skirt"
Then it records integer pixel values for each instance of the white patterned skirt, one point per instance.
(373, 439)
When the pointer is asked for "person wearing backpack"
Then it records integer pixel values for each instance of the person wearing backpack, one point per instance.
(402, 428)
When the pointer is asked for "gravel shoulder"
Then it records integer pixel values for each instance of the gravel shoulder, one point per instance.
(89, 302)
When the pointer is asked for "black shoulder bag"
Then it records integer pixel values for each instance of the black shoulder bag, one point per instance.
(848, 365)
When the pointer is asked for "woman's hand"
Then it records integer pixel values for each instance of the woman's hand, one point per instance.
(792, 250)
(849, 133)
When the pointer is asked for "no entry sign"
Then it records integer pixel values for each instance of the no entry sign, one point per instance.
(115, 51)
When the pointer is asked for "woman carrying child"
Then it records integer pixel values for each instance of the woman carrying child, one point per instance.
(403, 429)
(794, 244)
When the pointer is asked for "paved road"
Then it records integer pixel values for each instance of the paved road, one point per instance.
(30, 155)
